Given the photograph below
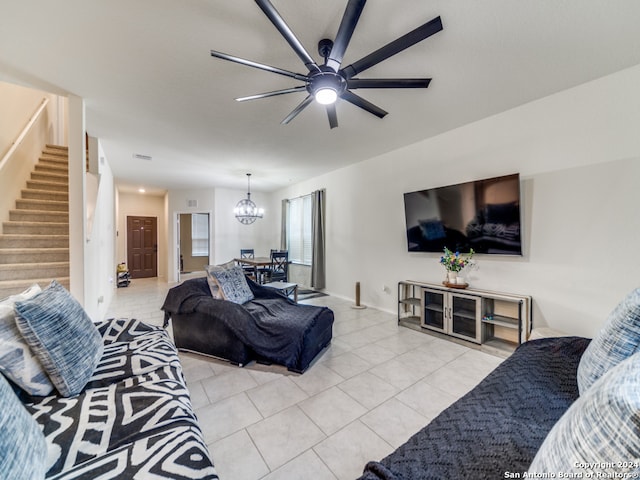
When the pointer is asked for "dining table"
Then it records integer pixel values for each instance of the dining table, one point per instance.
(256, 263)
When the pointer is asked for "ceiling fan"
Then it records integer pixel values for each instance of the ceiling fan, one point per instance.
(328, 82)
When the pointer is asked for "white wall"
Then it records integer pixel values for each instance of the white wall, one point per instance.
(99, 263)
(19, 104)
(578, 153)
(202, 201)
(228, 235)
(231, 235)
(143, 205)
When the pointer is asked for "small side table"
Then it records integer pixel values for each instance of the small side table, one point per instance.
(285, 287)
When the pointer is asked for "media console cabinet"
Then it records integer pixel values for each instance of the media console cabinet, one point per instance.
(492, 319)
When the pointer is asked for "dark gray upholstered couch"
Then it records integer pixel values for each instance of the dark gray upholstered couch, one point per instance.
(497, 427)
(271, 328)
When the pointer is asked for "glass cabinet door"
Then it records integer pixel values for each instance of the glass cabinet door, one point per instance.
(465, 315)
(433, 305)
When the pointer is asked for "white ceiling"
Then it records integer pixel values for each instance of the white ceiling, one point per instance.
(151, 87)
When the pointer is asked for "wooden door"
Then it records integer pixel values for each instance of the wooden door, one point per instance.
(142, 246)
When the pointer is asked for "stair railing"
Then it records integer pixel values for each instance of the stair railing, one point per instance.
(24, 132)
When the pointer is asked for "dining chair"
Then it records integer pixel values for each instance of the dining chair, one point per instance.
(249, 254)
(279, 269)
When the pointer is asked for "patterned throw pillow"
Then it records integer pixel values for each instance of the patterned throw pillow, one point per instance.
(63, 337)
(600, 432)
(17, 361)
(22, 443)
(232, 284)
(618, 340)
(211, 280)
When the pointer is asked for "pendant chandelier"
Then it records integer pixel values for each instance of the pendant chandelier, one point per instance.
(246, 211)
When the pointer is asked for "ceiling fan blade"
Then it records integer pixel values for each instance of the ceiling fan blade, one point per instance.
(273, 15)
(362, 103)
(272, 94)
(345, 31)
(297, 110)
(332, 114)
(250, 63)
(390, 49)
(388, 83)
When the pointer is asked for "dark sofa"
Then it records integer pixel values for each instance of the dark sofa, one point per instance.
(498, 427)
(271, 328)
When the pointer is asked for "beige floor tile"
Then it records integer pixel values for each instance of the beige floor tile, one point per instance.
(347, 365)
(332, 409)
(198, 396)
(305, 466)
(394, 422)
(275, 396)
(426, 399)
(228, 384)
(374, 354)
(347, 451)
(284, 436)
(368, 390)
(236, 457)
(226, 417)
(397, 373)
(317, 379)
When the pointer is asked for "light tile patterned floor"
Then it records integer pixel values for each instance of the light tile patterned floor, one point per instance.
(366, 394)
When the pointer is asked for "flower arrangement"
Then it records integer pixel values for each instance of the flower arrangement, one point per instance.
(454, 262)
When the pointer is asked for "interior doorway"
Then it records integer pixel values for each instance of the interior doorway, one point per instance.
(142, 246)
(193, 242)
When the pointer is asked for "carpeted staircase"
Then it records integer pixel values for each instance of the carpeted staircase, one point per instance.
(34, 244)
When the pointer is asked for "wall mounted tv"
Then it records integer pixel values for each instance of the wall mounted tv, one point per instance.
(483, 215)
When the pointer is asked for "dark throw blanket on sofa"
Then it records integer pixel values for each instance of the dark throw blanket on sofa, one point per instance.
(272, 325)
(498, 426)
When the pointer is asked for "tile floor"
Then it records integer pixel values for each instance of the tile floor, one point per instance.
(366, 394)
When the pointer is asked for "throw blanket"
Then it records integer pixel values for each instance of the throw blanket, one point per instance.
(498, 426)
(272, 325)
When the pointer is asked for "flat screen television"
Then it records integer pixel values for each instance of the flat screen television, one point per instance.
(483, 215)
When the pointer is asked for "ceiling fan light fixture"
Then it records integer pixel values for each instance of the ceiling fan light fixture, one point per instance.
(326, 95)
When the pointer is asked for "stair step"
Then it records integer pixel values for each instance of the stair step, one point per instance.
(51, 177)
(53, 167)
(11, 287)
(26, 271)
(33, 255)
(34, 241)
(48, 205)
(38, 216)
(48, 186)
(56, 152)
(36, 194)
(53, 160)
(35, 228)
(60, 148)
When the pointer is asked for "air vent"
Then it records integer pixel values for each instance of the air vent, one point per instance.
(192, 203)
(142, 157)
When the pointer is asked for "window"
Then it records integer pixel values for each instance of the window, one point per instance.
(299, 230)
(200, 235)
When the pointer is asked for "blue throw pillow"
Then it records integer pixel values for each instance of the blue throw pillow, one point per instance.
(600, 433)
(618, 340)
(17, 361)
(233, 284)
(22, 444)
(63, 337)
